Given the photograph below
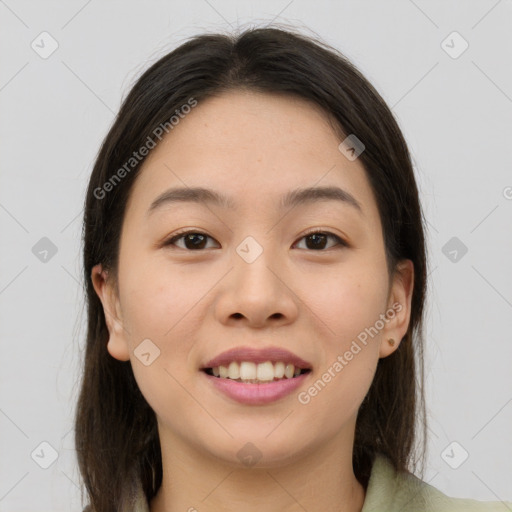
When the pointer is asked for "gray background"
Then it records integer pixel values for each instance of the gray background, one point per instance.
(456, 116)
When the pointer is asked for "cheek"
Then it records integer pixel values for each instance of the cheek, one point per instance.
(157, 302)
(346, 301)
(159, 308)
(163, 304)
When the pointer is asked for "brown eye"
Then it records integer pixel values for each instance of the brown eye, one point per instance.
(192, 240)
(196, 240)
(317, 240)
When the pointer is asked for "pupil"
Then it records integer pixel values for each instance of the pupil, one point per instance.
(318, 238)
(190, 237)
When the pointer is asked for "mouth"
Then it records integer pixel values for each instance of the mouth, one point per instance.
(255, 366)
(249, 372)
(254, 391)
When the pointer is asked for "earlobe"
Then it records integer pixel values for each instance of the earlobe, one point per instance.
(399, 308)
(118, 349)
(388, 346)
(117, 345)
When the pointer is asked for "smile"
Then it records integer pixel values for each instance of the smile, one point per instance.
(252, 373)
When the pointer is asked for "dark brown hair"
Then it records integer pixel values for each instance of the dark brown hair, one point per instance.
(116, 434)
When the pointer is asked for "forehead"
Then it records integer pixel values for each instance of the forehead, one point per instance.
(253, 148)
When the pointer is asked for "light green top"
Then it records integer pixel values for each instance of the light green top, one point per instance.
(388, 491)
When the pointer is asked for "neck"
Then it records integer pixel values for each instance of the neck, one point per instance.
(321, 480)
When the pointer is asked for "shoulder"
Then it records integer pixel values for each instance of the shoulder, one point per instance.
(389, 491)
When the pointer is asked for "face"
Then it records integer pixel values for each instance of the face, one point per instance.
(250, 274)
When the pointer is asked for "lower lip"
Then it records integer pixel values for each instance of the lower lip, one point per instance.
(257, 394)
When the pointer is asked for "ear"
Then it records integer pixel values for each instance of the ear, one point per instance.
(117, 346)
(398, 313)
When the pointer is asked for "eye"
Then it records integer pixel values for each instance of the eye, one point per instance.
(318, 239)
(196, 240)
(193, 240)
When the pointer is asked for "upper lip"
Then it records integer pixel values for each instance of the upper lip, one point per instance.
(257, 355)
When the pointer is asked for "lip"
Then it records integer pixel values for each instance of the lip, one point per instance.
(261, 355)
(256, 394)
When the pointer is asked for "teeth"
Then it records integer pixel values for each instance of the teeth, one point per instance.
(233, 370)
(289, 370)
(279, 370)
(265, 371)
(247, 371)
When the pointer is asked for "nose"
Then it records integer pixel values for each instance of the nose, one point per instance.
(257, 294)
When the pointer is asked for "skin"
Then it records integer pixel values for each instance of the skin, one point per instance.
(195, 304)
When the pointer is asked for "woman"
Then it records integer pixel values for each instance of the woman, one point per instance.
(256, 274)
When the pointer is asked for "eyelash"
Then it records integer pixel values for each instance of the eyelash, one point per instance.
(181, 234)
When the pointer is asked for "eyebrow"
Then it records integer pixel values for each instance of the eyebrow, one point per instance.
(291, 199)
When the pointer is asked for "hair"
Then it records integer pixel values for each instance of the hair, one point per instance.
(116, 434)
